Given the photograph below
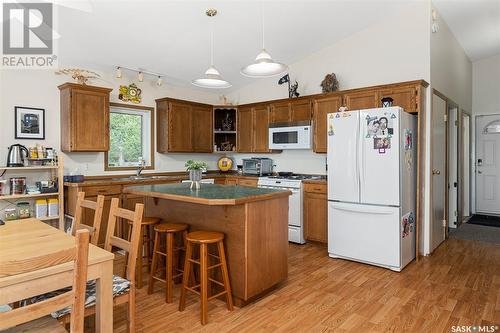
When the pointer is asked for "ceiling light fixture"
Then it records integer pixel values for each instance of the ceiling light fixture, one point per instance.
(159, 82)
(140, 76)
(264, 65)
(118, 72)
(212, 78)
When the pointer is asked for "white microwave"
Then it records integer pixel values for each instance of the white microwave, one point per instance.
(290, 137)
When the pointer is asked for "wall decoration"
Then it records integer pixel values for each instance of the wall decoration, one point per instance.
(80, 75)
(387, 102)
(329, 83)
(292, 89)
(29, 123)
(130, 93)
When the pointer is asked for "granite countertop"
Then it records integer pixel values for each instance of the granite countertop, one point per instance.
(208, 194)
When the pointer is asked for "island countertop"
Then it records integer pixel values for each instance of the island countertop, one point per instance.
(208, 194)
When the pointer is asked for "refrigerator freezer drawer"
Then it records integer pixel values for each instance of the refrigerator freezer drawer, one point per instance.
(364, 233)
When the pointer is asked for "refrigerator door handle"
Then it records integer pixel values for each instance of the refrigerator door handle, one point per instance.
(360, 157)
(364, 209)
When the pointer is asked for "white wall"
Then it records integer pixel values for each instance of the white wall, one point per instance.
(486, 86)
(394, 50)
(451, 69)
(38, 88)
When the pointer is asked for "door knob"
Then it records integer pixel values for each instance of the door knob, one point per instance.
(436, 172)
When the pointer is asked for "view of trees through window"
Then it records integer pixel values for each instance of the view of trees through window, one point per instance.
(125, 131)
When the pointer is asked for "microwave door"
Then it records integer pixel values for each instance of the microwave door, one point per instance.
(289, 137)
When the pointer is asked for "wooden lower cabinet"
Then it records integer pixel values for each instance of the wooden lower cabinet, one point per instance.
(242, 181)
(315, 213)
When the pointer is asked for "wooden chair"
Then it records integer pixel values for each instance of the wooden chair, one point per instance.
(34, 317)
(132, 248)
(98, 207)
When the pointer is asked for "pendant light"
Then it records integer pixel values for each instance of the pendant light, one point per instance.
(264, 65)
(212, 78)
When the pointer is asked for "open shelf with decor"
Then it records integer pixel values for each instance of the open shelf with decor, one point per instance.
(18, 202)
(225, 121)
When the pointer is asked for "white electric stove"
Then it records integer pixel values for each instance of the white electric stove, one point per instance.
(293, 183)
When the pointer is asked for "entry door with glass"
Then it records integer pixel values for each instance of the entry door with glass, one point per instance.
(488, 164)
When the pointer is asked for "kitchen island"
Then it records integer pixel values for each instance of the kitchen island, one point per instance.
(254, 221)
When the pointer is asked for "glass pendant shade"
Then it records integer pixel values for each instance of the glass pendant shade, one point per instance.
(264, 66)
(212, 79)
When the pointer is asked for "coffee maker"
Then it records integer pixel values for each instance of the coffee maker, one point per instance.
(16, 156)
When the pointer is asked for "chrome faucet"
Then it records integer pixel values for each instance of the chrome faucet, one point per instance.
(140, 167)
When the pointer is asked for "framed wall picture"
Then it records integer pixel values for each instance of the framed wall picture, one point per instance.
(29, 123)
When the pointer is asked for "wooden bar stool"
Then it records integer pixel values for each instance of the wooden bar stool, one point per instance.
(203, 239)
(170, 230)
(144, 246)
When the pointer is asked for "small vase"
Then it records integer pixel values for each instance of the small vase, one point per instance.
(195, 178)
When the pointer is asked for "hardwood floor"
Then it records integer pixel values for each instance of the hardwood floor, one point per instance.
(458, 285)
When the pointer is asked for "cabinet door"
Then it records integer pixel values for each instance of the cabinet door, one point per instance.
(179, 128)
(301, 110)
(280, 112)
(202, 129)
(245, 130)
(261, 129)
(162, 127)
(247, 182)
(404, 97)
(220, 181)
(231, 181)
(90, 120)
(361, 100)
(323, 106)
(315, 217)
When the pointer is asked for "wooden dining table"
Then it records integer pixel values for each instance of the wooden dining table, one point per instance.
(30, 238)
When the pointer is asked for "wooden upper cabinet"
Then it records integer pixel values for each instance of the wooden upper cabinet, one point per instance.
(301, 110)
(322, 106)
(84, 118)
(280, 112)
(245, 129)
(404, 97)
(179, 127)
(162, 126)
(183, 126)
(365, 99)
(202, 129)
(261, 129)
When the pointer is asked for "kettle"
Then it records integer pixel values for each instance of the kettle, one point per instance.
(15, 156)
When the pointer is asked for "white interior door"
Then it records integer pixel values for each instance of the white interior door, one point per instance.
(363, 232)
(379, 156)
(453, 167)
(488, 164)
(438, 147)
(343, 177)
(466, 163)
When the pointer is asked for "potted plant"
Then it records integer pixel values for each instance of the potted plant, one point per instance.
(195, 169)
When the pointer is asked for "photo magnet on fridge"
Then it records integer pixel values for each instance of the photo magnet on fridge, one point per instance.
(379, 126)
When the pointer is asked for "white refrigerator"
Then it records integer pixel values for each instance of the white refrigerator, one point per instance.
(372, 186)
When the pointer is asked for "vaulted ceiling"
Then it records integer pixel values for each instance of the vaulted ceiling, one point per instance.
(475, 24)
(172, 37)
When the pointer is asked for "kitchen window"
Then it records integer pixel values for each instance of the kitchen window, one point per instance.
(130, 137)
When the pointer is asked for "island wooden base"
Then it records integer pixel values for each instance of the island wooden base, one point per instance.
(256, 240)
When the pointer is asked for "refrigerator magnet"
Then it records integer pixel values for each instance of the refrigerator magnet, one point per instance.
(408, 139)
(382, 143)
